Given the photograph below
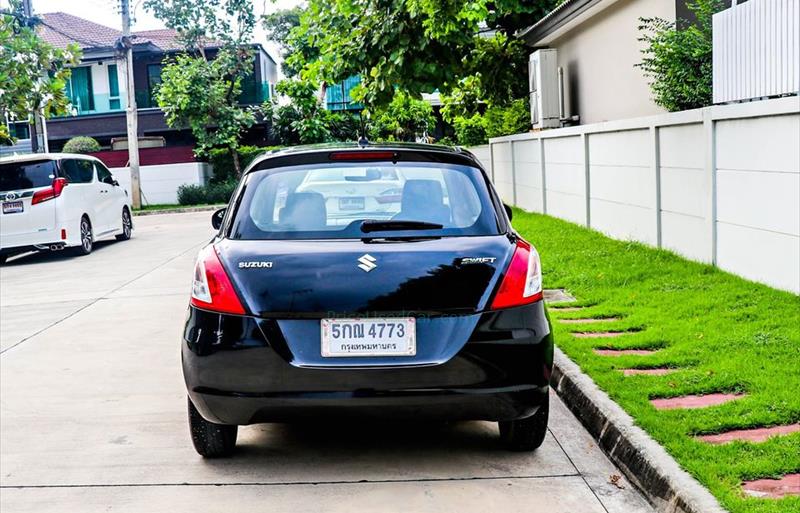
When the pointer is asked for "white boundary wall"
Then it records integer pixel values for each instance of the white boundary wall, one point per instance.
(160, 183)
(719, 185)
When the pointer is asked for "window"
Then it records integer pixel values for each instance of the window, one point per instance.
(331, 201)
(77, 171)
(79, 89)
(113, 87)
(103, 174)
(16, 176)
(153, 81)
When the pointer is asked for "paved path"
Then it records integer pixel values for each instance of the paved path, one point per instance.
(93, 413)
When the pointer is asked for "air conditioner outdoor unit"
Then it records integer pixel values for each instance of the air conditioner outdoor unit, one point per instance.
(544, 89)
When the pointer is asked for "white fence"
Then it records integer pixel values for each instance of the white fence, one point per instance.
(160, 183)
(756, 50)
(718, 185)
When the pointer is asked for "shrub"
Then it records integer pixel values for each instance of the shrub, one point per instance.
(470, 131)
(402, 120)
(678, 61)
(81, 145)
(513, 119)
(211, 193)
(221, 159)
(190, 194)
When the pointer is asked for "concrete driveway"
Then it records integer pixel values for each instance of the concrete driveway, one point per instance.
(93, 414)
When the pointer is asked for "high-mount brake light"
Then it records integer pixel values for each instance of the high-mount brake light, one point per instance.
(212, 288)
(51, 192)
(522, 283)
(363, 155)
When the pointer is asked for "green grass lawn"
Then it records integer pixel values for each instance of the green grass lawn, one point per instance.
(724, 333)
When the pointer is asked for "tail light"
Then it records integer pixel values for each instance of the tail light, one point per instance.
(522, 283)
(363, 155)
(212, 288)
(51, 192)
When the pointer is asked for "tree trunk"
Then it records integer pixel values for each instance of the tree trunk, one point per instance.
(236, 165)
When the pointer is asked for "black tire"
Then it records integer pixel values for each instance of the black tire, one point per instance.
(127, 225)
(525, 434)
(211, 440)
(87, 238)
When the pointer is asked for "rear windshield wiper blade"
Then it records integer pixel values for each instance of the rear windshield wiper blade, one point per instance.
(375, 225)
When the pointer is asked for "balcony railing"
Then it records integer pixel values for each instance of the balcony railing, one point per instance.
(103, 104)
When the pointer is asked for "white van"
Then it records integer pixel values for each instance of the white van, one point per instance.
(52, 201)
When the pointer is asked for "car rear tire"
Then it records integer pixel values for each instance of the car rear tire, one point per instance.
(525, 434)
(87, 238)
(127, 225)
(211, 440)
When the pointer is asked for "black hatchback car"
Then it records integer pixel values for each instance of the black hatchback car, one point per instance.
(377, 281)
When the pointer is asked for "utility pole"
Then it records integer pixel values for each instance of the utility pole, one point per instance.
(131, 114)
(39, 123)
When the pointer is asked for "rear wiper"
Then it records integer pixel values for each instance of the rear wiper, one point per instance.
(375, 225)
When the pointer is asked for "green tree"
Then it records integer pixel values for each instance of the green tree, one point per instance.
(416, 46)
(303, 120)
(33, 74)
(403, 119)
(678, 61)
(199, 90)
(282, 28)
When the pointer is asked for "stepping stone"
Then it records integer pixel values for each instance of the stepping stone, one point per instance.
(648, 372)
(566, 308)
(558, 296)
(599, 334)
(773, 488)
(694, 401)
(623, 352)
(588, 321)
(750, 435)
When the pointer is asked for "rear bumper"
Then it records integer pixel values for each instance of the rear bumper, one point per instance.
(238, 372)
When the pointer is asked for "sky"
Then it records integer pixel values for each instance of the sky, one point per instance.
(105, 12)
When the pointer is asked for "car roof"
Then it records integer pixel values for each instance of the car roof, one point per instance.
(308, 153)
(28, 157)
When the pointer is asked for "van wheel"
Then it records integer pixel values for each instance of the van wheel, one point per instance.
(525, 434)
(87, 238)
(211, 440)
(127, 225)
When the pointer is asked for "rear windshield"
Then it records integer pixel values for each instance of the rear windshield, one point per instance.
(332, 201)
(27, 175)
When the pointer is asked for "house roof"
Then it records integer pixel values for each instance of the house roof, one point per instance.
(60, 29)
(563, 18)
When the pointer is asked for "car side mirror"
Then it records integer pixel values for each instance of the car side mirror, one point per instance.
(217, 217)
(114, 183)
(509, 212)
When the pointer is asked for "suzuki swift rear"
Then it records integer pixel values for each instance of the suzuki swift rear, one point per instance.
(381, 282)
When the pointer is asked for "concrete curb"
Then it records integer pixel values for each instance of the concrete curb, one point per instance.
(645, 462)
(178, 210)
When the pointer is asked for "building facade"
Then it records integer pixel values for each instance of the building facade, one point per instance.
(97, 87)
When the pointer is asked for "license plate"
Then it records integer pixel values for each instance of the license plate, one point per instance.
(369, 337)
(354, 203)
(12, 207)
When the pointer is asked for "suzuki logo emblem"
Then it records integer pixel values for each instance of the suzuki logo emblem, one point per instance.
(367, 263)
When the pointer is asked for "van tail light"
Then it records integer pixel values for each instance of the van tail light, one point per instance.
(51, 192)
(212, 288)
(522, 283)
